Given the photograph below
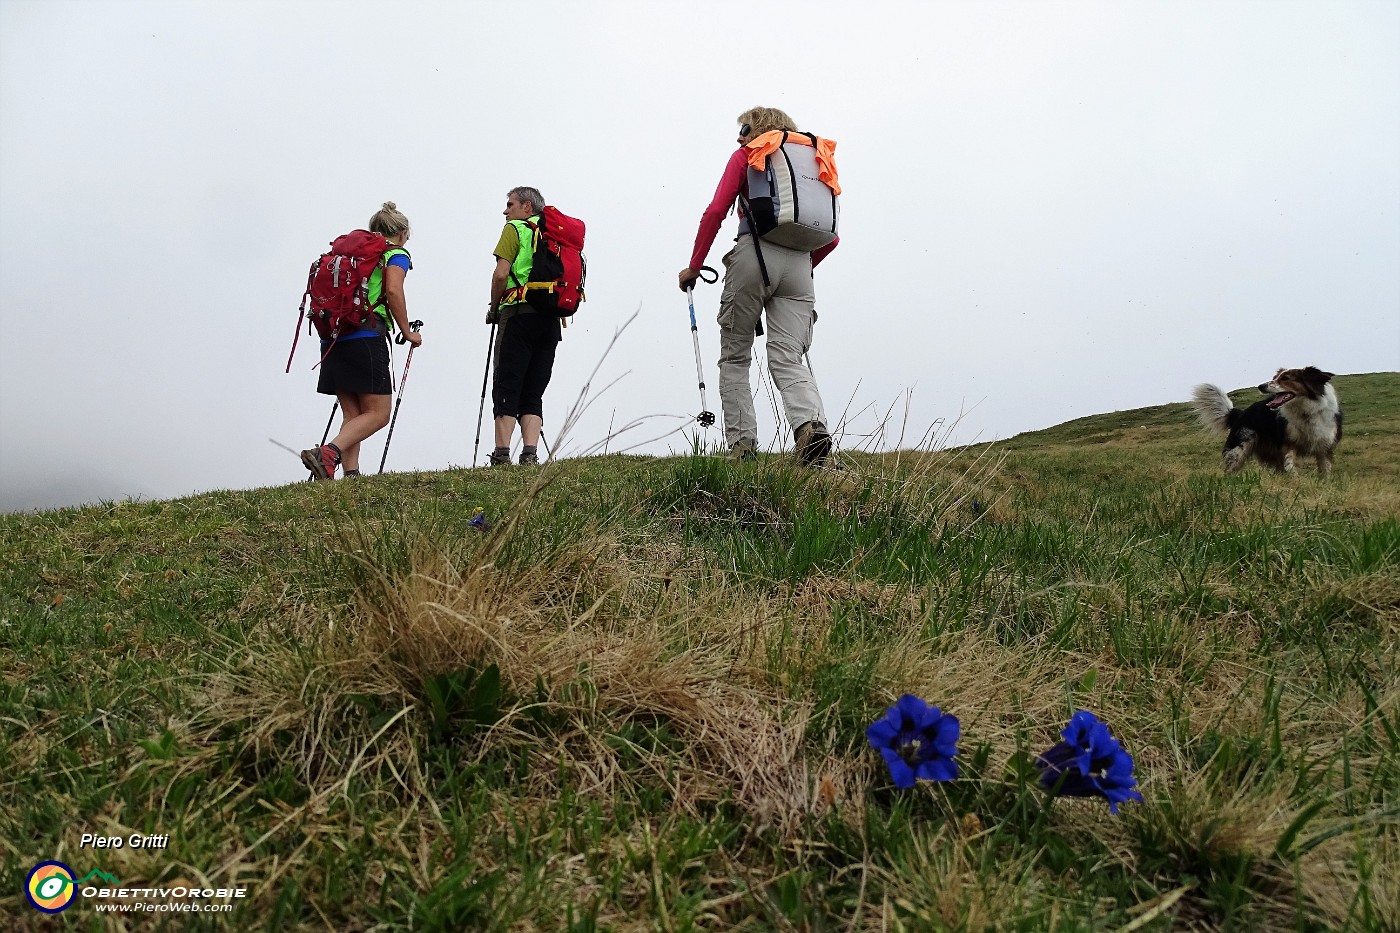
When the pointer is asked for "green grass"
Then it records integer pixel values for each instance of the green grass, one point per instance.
(639, 700)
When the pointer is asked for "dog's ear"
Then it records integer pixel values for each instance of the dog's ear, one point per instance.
(1313, 374)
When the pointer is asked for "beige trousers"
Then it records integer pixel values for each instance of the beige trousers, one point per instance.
(787, 305)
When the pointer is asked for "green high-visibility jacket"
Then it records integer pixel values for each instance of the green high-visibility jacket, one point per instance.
(524, 260)
(376, 285)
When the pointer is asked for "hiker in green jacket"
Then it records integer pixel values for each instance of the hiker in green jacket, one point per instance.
(524, 355)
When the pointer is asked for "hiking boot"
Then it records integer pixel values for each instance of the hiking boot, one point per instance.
(527, 458)
(321, 461)
(499, 459)
(813, 443)
(743, 451)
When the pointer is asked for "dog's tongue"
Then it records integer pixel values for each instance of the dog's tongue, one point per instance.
(1283, 398)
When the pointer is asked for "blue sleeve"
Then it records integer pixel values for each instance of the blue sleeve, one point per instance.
(400, 260)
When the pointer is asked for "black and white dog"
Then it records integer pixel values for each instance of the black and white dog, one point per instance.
(1301, 417)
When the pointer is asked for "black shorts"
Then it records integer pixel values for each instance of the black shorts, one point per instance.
(524, 363)
(360, 366)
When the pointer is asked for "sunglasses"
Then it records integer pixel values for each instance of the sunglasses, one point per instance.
(745, 130)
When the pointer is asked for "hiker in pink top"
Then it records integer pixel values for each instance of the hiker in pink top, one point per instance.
(769, 282)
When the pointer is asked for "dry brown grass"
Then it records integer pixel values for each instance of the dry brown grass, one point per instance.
(598, 626)
(697, 659)
(637, 632)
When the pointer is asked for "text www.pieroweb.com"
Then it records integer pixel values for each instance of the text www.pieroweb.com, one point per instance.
(180, 907)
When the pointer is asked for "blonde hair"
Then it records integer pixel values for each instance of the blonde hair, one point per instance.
(389, 221)
(765, 119)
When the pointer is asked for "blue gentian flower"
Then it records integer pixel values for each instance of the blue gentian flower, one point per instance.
(1090, 762)
(917, 741)
(479, 520)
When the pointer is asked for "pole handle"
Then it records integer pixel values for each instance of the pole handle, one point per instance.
(700, 273)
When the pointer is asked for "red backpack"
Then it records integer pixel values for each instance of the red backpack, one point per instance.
(558, 268)
(338, 287)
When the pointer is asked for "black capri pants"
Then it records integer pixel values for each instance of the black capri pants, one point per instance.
(524, 363)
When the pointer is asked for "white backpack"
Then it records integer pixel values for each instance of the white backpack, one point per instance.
(787, 203)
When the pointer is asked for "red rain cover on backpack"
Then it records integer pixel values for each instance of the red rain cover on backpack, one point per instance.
(558, 270)
(338, 286)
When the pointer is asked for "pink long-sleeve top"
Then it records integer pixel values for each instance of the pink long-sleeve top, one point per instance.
(731, 184)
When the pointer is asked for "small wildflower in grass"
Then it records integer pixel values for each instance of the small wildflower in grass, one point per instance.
(479, 520)
(1088, 763)
(917, 741)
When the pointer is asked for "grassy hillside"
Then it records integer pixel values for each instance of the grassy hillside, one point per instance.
(639, 700)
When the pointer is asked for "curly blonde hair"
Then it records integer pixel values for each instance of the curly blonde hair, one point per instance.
(389, 221)
(764, 119)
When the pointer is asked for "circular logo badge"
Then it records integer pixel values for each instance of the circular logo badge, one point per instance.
(50, 887)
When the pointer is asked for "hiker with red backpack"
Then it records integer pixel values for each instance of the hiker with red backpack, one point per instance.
(786, 188)
(357, 297)
(537, 283)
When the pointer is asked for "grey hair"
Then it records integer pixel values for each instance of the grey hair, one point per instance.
(528, 194)
(389, 221)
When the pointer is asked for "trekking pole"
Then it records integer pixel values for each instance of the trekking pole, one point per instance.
(476, 451)
(413, 326)
(544, 440)
(335, 406)
(706, 417)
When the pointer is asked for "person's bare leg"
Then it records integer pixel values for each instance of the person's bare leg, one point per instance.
(349, 410)
(505, 428)
(371, 414)
(530, 426)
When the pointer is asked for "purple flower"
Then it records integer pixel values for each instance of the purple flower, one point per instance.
(479, 521)
(1088, 763)
(917, 741)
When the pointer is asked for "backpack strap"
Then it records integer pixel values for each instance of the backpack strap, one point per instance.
(301, 316)
(334, 338)
(758, 251)
(753, 229)
(516, 293)
(753, 235)
(534, 244)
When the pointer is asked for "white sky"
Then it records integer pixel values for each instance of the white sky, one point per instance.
(1051, 209)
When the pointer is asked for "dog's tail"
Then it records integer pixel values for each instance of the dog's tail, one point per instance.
(1213, 407)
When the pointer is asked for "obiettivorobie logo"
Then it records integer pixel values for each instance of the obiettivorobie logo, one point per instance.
(51, 886)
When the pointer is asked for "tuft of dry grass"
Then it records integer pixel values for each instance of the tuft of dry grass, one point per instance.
(944, 885)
